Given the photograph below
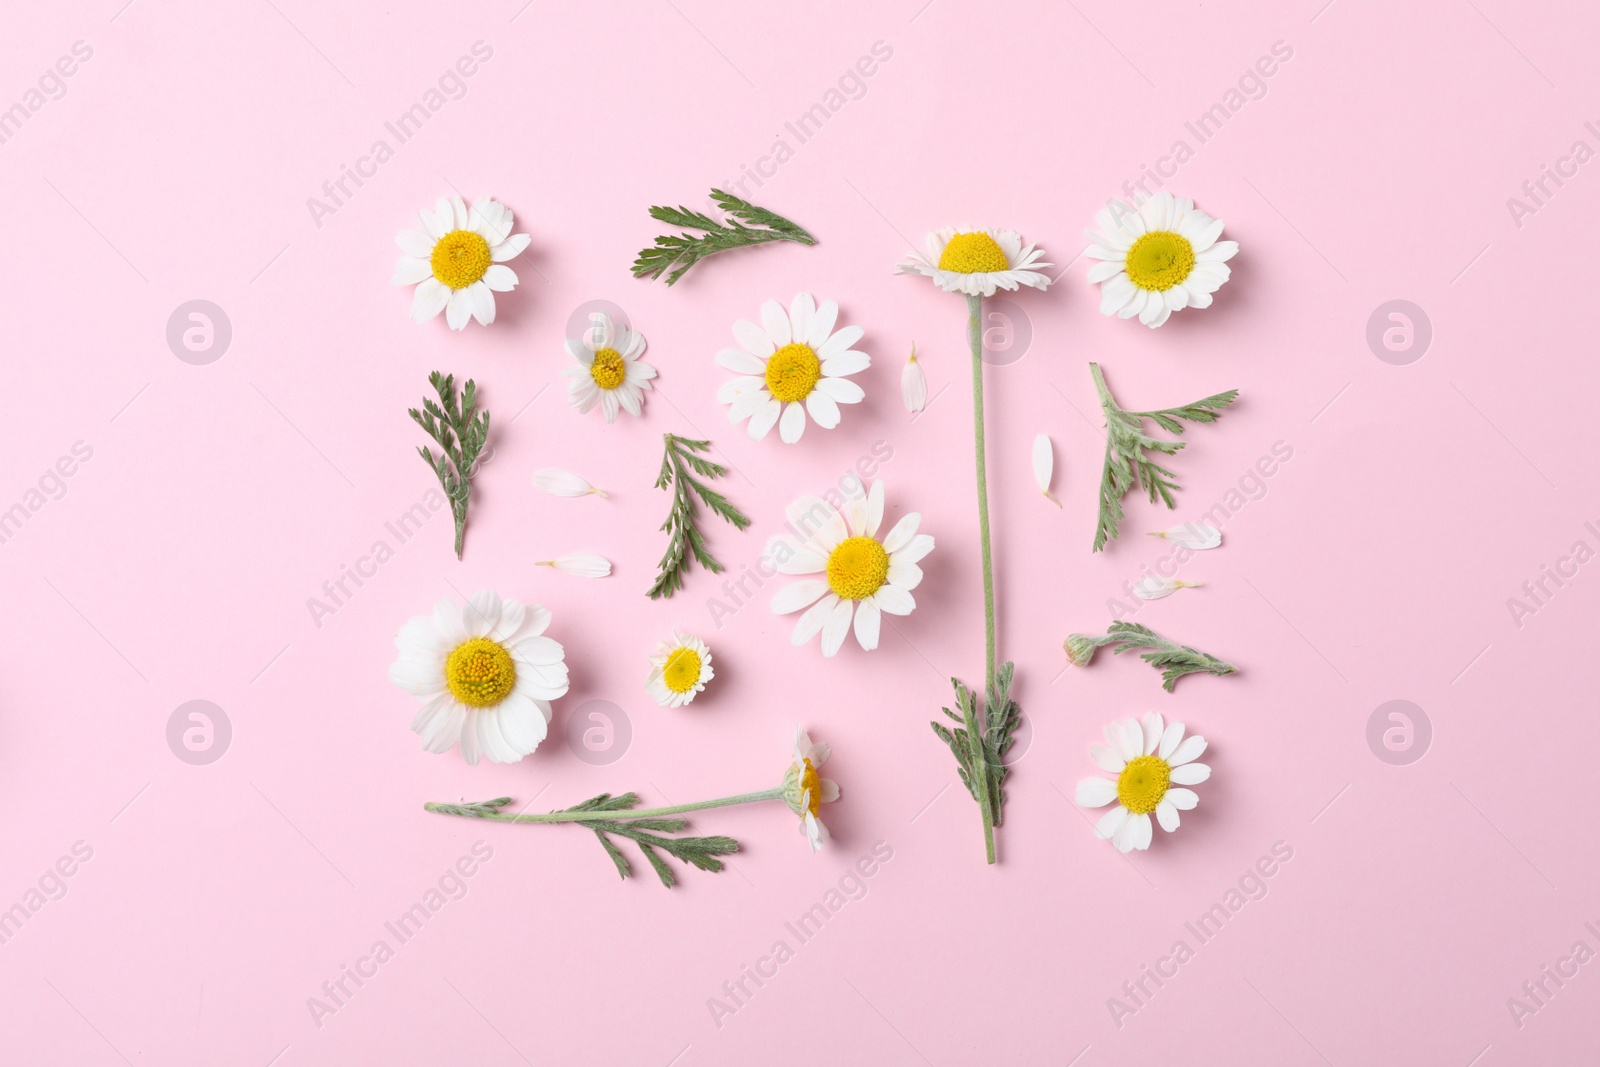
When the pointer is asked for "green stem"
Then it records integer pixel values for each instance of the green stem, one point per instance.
(624, 815)
(980, 760)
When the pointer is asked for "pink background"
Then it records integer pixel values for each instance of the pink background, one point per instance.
(1374, 565)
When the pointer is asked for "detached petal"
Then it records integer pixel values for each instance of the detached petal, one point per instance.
(1044, 462)
(580, 565)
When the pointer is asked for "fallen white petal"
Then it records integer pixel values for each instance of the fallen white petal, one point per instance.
(1153, 588)
(580, 565)
(914, 384)
(558, 482)
(1044, 462)
(1195, 535)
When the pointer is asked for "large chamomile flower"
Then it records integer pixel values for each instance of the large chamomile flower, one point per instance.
(458, 260)
(805, 790)
(1152, 763)
(679, 669)
(977, 262)
(1158, 258)
(858, 576)
(609, 371)
(792, 365)
(485, 673)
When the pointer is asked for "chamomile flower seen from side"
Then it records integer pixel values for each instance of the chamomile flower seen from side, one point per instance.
(852, 575)
(793, 365)
(1157, 258)
(457, 260)
(805, 790)
(608, 372)
(679, 670)
(485, 674)
(1153, 763)
(977, 262)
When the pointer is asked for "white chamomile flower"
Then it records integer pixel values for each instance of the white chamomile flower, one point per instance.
(1153, 587)
(805, 790)
(977, 262)
(1158, 258)
(609, 371)
(485, 673)
(1197, 536)
(1152, 763)
(793, 364)
(457, 261)
(914, 384)
(858, 576)
(679, 670)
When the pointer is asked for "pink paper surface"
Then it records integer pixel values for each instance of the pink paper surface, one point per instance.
(211, 907)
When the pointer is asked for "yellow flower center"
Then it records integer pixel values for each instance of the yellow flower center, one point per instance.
(1159, 260)
(480, 673)
(1142, 783)
(973, 253)
(460, 258)
(608, 370)
(811, 787)
(682, 670)
(857, 568)
(792, 372)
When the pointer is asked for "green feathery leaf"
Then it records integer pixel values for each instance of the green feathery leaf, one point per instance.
(460, 432)
(1172, 659)
(1127, 464)
(679, 464)
(679, 252)
(984, 754)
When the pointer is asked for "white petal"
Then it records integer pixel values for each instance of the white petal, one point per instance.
(792, 424)
(765, 416)
(836, 626)
(867, 618)
(510, 248)
(1170, 739)
(776, 322)
(874, 513)
(904, 575)
(558, 482)
(1126, 834)
(894, 601)
(846, 363)
(840, 342)
(822, 324)
(1182, 799)
(902, 532)
(1152, 732)
(914, 384)
(753, 339)
(916, 548)
(480, 298)
(1191, 749)
(408, 271)
(499, 278)
(797, 595)
(1190, 774)
(1152, 587)
(800, 311)
(580, 565)
(458, 312)
(1096, 792)
(1143, 831)
(429, 298)
(1044, 462)
(414, 244)
(741, 362)
(1167, 815)
(1107, 759)
(1108, 825)
(734, 388)
(843, 390)
(810, 623)
(823, 410)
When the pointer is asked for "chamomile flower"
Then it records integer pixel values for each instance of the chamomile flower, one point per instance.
(859, 576)
(977, 262)
(792, 365)
(457, 261)
(805, 791)
(485, 674)
(1158, 258)
(1152, 763)
(679, 669)
(609, 371)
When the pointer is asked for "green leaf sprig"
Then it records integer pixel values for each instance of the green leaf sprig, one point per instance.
(1127, 465)
(1172, 659)
(684, 537)
(980, 751)
(679, 252)
(607, 815)
(461, 432)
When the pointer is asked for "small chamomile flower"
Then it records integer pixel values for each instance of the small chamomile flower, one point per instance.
(792, 365)
(609, 371)
(1152, 762)
(977, 262)
(457, 260)
(1157, 258)
(679, 670)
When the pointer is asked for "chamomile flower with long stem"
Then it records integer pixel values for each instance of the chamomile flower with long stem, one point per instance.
(485, 673)
(457, 260)
(1154, 764)
(609, 371)
(802, 789)
(852, 576)
(679, 671)
(1160, 256)
(793, 365)
(977, 263)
